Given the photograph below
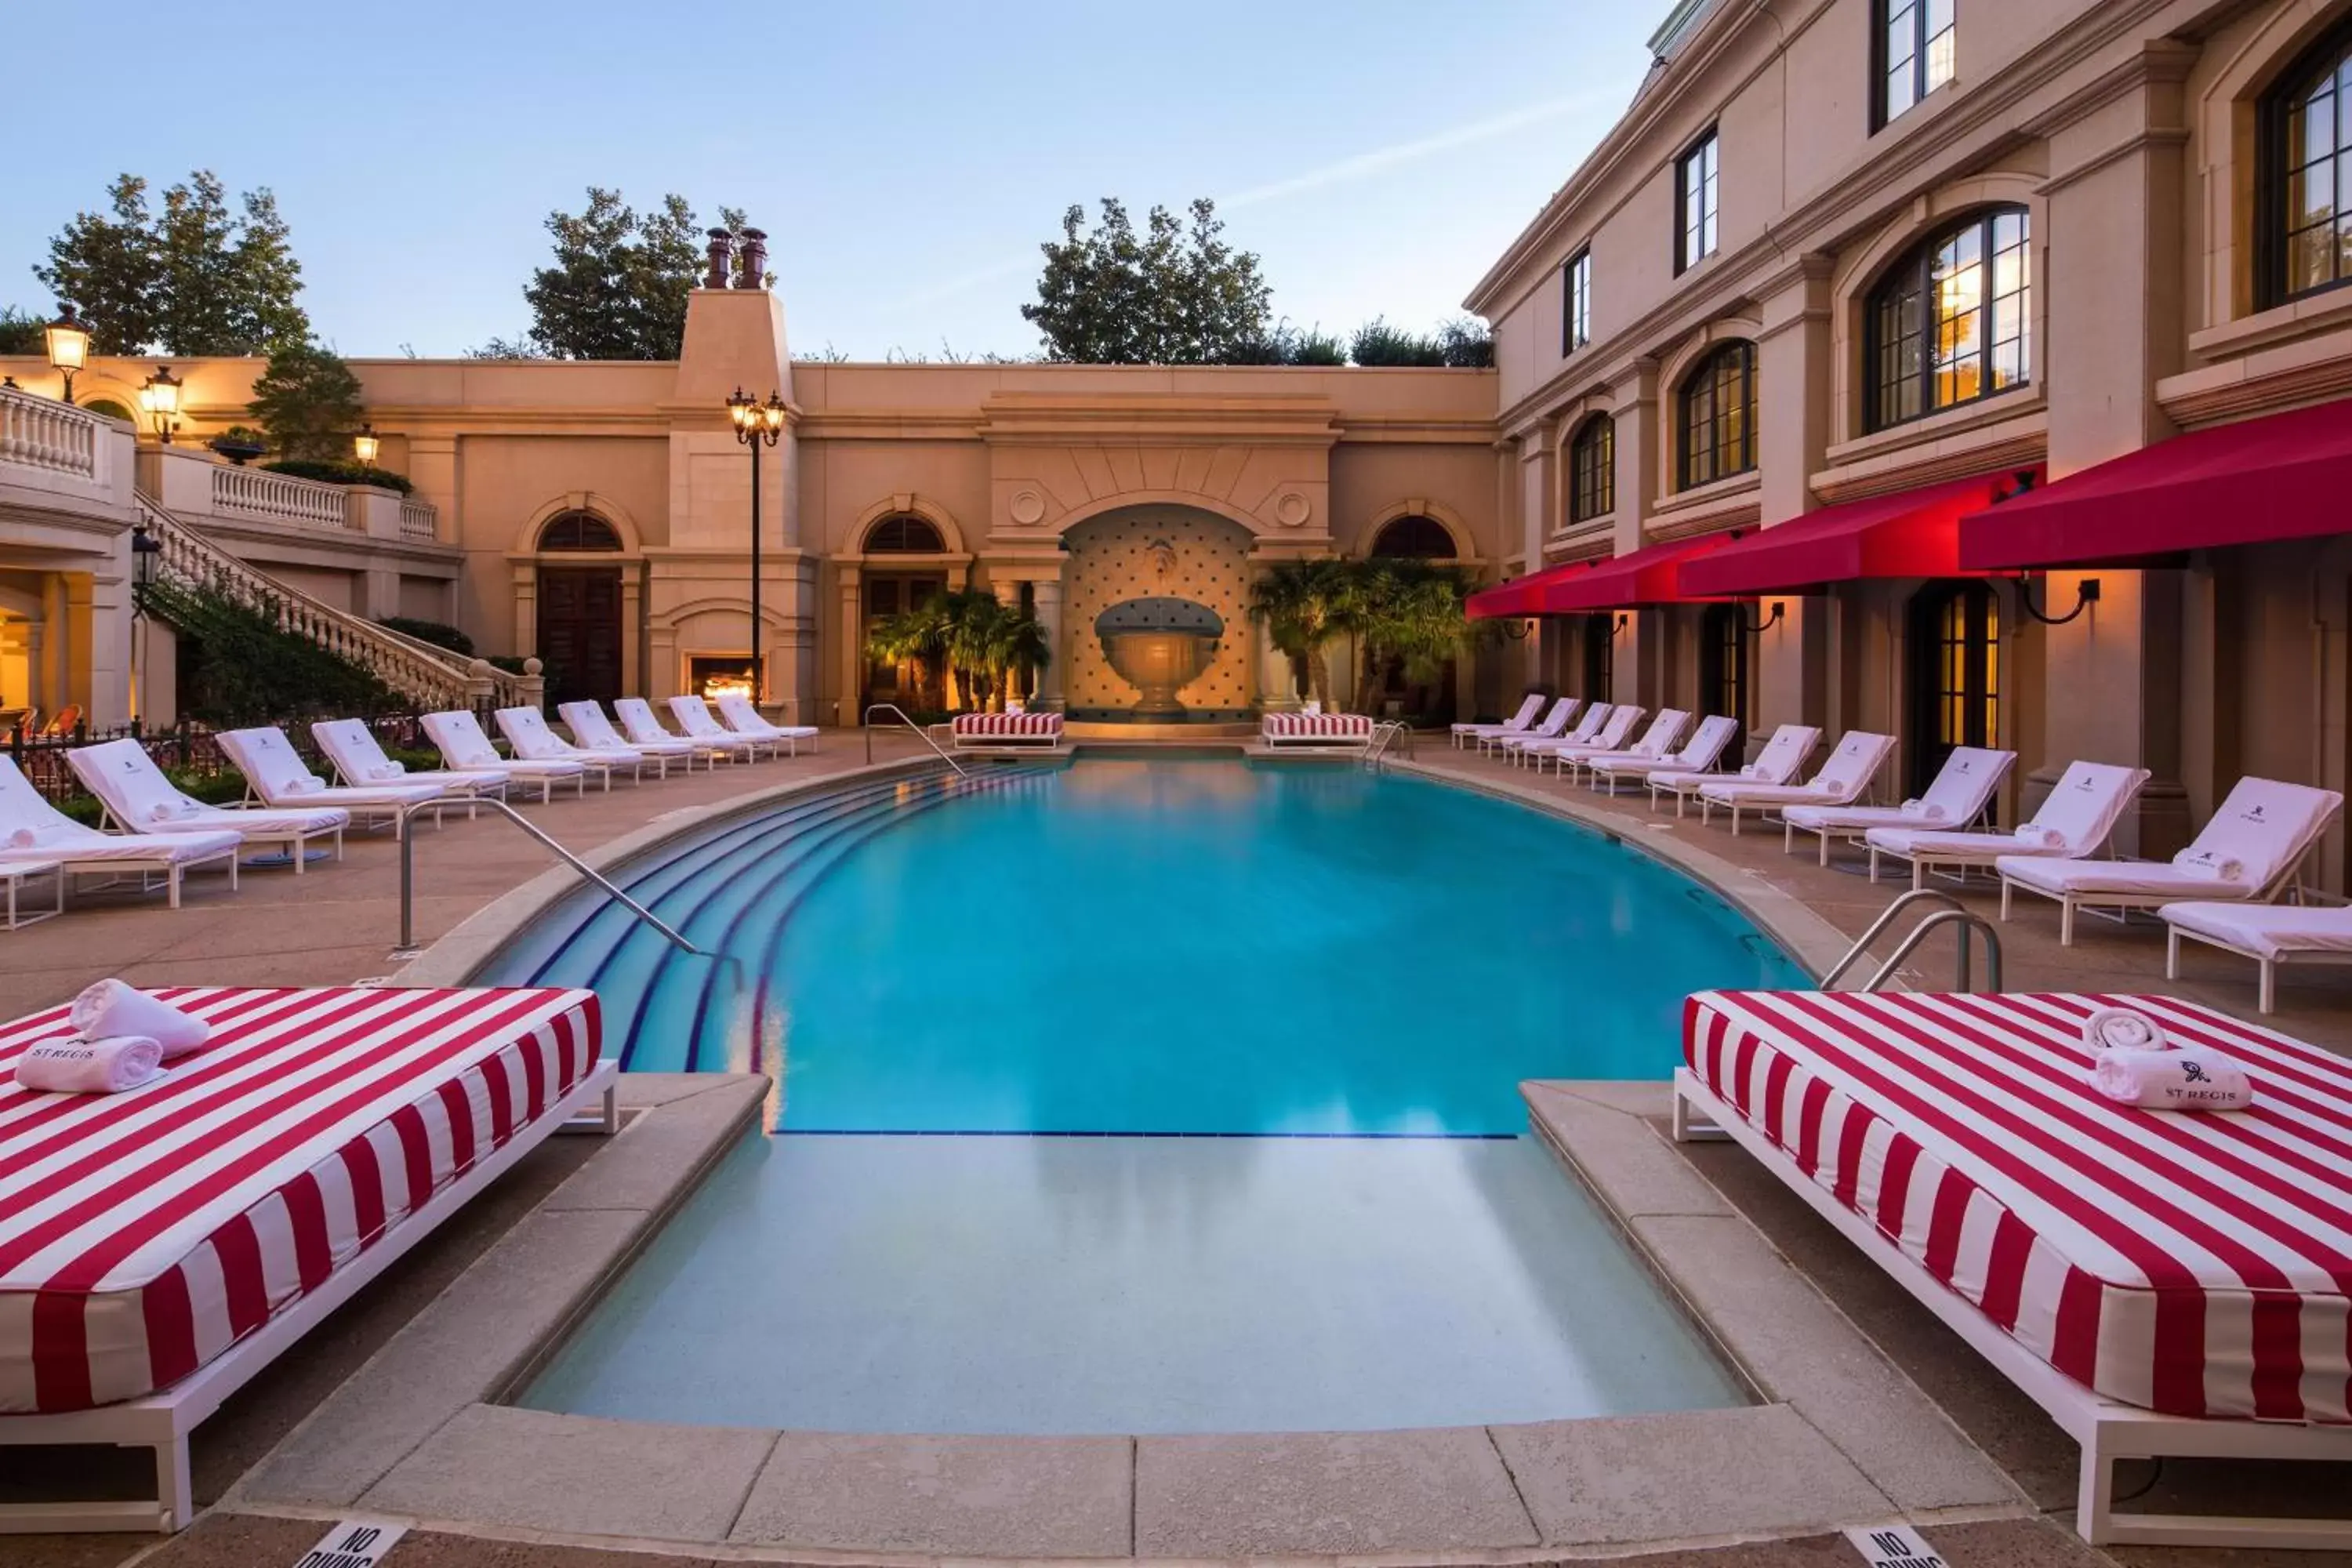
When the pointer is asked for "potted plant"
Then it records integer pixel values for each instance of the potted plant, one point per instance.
(239, 444)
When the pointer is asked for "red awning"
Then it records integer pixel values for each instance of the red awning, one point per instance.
(2287, 476)
(1520, 595)
(1909, 533)
(1650, 576)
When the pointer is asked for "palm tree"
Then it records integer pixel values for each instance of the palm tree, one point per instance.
(1303, 605)
(972, 617)
(1019, 647)
(1407, 613)
(918, 637)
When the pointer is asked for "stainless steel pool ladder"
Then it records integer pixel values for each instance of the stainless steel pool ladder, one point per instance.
(408, 948)
(1386, 731)
(920, 735)
(1954, 913)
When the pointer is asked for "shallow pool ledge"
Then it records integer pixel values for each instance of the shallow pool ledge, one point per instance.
(1795, 1349)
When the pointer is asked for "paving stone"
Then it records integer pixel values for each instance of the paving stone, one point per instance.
(579, 1474)
(1801, 1350)
(462, 1348)
(1684, 1474)
(1438, 1489)
(965, 1497)
(656, 1158)
(1620, 1156)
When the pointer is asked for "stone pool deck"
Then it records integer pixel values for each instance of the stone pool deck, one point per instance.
(1867, 1409)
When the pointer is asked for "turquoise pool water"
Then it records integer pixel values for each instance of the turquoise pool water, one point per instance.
(1171, 1095)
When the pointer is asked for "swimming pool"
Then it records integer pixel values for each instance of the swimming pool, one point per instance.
(1160, 1095)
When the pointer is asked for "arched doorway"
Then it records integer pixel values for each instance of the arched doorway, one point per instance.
(580, 631)
(889, 589)
(1723, 670)
(1952, 660)
(1413, 537)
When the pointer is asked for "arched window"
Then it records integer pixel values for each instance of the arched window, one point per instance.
(1592, 470)
(2307, 173)
(1719, 416)
(1952, 321)
(905, 534)
(572, 532)
(1414, 537)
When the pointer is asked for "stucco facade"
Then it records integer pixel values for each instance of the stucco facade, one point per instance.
(2127, 135)
(1006, 464)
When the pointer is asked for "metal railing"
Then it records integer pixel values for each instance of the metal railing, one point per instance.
(1953, 913)
(408, 948)
(1383, 733)
(920, 733)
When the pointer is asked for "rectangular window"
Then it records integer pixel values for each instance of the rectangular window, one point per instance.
(1913, 44)
(1575, 317)
(1696, 190)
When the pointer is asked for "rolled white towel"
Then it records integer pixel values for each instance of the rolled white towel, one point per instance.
(2191, 1077)
(109, 1007)
(19, 839)
(2035, 834)
(90, 1067)
(2211, 863)
(385, 772)
(1922, 811)
(2124, 1029)
(309, 784)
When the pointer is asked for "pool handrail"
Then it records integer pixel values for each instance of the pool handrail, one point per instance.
(920, 733)
(1954, 912)
(408, 948)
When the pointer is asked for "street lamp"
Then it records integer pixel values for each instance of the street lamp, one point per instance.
(365, 446)
(68, 340)
(145, 550)
(159, 395)
(756, 423)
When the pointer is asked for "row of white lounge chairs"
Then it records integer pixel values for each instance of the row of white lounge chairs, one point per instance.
(151, 828)
(2221, 890)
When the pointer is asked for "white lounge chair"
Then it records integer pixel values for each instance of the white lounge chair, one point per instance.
(2249, 854)
(1513, 725)
(2270, 934)
(33, 832)
(458, 736)
(1956, 797)
(1656, 744)
(527, 732)
(276, 776)
(358, 759)
(592, 732)
(1699, 756)
(1841, 781)
(1777, 763)
(2081, 811)
(694, 715)
(743, 717)
(637, 719)
(139, 798)
(1555, 727)
(1615, 731)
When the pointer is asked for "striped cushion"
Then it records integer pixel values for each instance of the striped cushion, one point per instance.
(1340, 726)
(143, 1234)
(1008, 723)
(2196, 1264)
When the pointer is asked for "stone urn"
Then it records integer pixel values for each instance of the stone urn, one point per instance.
(1158, 645)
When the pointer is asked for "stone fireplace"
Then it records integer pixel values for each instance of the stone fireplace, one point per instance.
(718, 674)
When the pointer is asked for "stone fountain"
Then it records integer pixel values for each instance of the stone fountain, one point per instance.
(1158, 645)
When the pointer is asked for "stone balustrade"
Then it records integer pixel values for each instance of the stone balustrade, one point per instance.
(278, 497)
(188, 483)
(53, 455)
(418, 520)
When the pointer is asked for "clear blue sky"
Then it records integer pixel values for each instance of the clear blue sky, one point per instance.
(906, 156)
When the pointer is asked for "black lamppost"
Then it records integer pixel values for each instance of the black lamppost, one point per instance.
(144, 550)
(757, 424)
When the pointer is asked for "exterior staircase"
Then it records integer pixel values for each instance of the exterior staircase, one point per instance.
(430, 677)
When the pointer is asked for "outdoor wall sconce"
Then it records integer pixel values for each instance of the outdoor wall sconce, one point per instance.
(159, 395)
(1617, 630)
(144, 548)
(68, 342)
(1520, 630)
(2087, 594)
(365, 446)
(1780, 613)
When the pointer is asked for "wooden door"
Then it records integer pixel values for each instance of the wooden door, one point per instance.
(580, 633)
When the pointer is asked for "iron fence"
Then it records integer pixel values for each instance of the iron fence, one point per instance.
(185, 748)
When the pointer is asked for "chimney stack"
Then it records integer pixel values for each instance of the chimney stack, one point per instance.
(720, 250)
(751, 268)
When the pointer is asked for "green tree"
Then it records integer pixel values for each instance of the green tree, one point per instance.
(1377, 343)
(308, 401)
(23, 332)
(1467, 342)
(1171, 295)
(1407, 616)
(195, 279)
(917, 636)
(1304, 605)
(619, 286)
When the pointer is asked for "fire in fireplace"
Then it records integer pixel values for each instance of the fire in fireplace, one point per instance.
(720, 675)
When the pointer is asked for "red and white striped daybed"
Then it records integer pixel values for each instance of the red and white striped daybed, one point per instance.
(159, 1246)
(1003, 732)
(1334, 729)
(2161, 1283)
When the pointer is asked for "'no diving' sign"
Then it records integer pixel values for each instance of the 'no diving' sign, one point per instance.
(1892, 1546)
(354, 1544)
